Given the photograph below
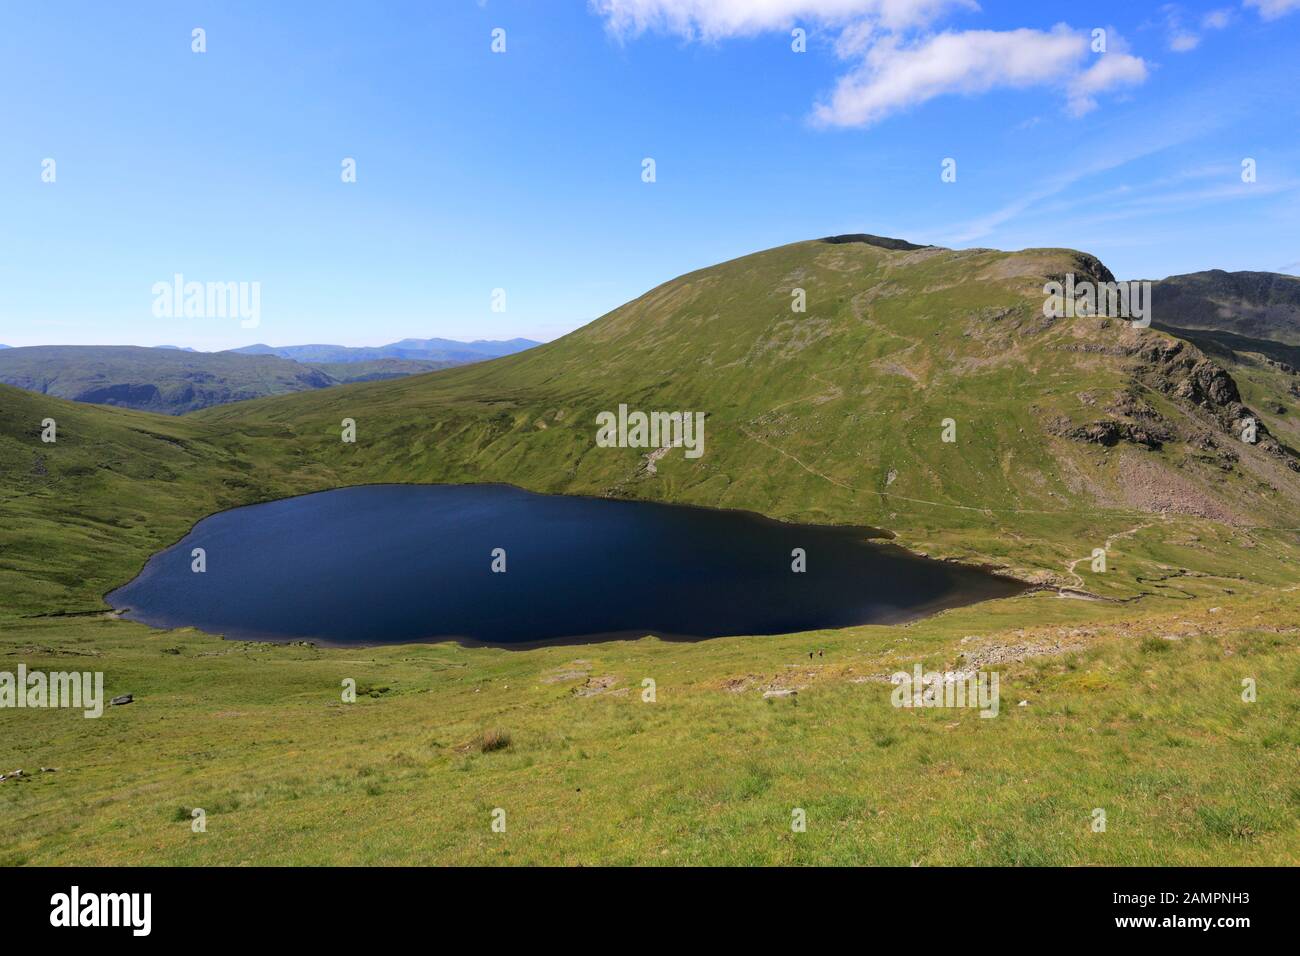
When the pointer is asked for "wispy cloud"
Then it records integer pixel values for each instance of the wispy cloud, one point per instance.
(1272, 9)
(714, 20)
(1180, 38)
(1217, 19)
(1183, 32)
(1160, 135)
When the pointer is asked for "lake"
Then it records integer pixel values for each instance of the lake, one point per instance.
(383, 564)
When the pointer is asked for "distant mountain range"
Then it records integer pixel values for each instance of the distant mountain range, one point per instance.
(437, 350)
(175, 380)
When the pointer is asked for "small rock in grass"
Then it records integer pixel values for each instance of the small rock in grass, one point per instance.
(124, 699)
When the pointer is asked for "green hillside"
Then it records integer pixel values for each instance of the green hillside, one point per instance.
(1067, 427)
(1067, 431)
(1071, 434)
(375, 370)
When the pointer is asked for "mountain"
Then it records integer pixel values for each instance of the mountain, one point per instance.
(1254, 305)
(834, 414)
(439, 350)
(1069, 433)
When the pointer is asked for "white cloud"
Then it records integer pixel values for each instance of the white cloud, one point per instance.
(899, 64)
(1272, 9)
(1111, 70)
(894, 77)
(720, 19)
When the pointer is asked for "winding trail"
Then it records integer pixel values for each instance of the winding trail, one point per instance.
(1069, 568)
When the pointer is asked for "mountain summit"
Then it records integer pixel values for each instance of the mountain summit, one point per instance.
(837, 412)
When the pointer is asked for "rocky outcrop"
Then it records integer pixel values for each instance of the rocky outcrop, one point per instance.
(1109, 432)
(1197, 383)
(1181, 371)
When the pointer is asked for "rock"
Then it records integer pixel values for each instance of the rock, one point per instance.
(1110, 432)
(1023, 703)
(49, 769)
(124, 699)
(779, 693)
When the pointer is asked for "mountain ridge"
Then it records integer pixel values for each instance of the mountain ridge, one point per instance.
(175, 380)
(434, 349)
(1257, 305)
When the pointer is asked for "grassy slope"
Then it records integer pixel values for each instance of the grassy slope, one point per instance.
(1143, 720)
(808, 416)
(376, 369)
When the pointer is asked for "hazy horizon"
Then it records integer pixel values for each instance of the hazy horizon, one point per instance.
(273, 345)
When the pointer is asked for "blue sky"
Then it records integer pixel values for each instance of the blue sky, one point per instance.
(522, 170)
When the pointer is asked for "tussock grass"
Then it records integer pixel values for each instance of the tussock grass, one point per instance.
(492, 740)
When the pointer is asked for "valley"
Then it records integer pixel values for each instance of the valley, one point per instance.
(1069, 435)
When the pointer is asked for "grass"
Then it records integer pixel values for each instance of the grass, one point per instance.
(1133, 702)
(257, 735)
